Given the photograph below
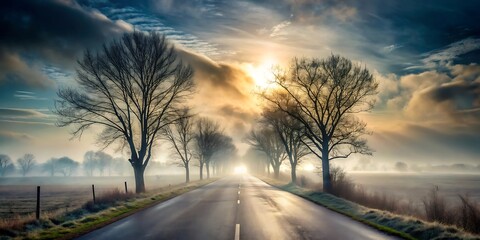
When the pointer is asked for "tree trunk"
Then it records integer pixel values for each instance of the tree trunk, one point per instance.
(276, 171)
(139, 181)
(187, 174)
(201, 171)
(294, 173)
(327, 183)
(207, 165)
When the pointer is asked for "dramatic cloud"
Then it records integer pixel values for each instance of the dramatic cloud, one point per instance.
(424, 54)
(224, 93)
(441, 97)
(54, 31)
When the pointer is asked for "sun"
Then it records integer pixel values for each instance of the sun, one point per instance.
(262, 73)
(240, 169)
(309, 167)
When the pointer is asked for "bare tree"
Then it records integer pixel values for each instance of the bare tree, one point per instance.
(225, 153)
(66, 166)
(50, 166)
(104, 162)
(326, 95)
(256, 160)
(181, 135)
(131, 88)
(208, 139)
(26, 162)
(89, 163)
(291, 134)
(6, 165)
(268, 141)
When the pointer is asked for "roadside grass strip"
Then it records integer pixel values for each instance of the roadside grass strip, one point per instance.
(397, 225)
(94, 216)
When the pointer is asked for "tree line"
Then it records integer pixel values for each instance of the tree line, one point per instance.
(94, 163)
(203, 139)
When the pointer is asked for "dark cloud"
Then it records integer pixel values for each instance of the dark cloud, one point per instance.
(54, 31)
(454, 98)
(460, 95)
(237, 112)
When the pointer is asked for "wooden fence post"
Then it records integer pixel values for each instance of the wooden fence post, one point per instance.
(93, 192)
(126, 189)
(37, 212)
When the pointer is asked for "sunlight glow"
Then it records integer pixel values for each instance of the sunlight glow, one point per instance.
(262, 73)
(240, 169)
(309, 167)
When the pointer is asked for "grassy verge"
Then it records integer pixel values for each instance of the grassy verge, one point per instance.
(396, 225)
(93, 216)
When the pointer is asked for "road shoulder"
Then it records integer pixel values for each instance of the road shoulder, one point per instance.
(89, 222)
(395, 225)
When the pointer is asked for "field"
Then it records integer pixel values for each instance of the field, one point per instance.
(18, 195)
(414, 187)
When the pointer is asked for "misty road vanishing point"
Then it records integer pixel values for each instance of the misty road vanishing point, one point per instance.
(236, 207)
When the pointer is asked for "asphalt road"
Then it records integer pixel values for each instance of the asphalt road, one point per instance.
(236, 207)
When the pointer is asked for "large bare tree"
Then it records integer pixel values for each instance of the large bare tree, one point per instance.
(327, 93)
(131, 87)
(268, 141)
(291, 134)
(181, 134)
(26, 162)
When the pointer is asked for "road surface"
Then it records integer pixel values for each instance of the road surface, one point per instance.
(236, 207)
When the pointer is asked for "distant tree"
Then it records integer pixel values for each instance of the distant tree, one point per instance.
(401, 166)
(226, 152)
(292, 136)
(50, 166)
(181, 135)
(208, 139)
(26, 162)
(131, 87)
(256, 160)
(120, 165)
(66, 166)
(268, 141)
(104, 162)
(6, 165)
(326, 94)
(90, 163)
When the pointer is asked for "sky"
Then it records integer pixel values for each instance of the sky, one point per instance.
(424, 54)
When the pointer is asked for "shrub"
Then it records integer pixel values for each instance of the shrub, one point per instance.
(106, 200)
(465, 215)
(468, 216)
(435, 207)
(342, 186)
